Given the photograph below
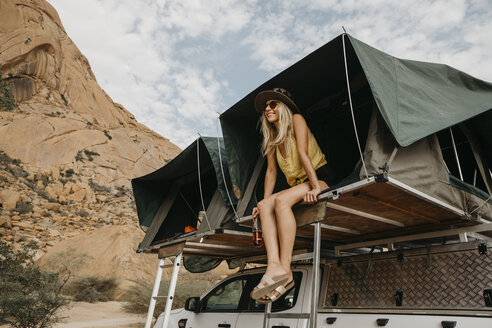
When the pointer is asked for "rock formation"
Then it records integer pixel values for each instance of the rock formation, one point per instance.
(64, 119)
(67, 151)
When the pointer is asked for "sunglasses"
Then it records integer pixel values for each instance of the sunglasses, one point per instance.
(272, 104)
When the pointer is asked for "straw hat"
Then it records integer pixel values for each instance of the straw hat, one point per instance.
(275, 94)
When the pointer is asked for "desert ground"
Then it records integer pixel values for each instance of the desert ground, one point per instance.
(100, 315)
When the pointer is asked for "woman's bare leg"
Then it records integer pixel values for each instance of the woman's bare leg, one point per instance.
(279, 227)
(266, 208)
(286, 222)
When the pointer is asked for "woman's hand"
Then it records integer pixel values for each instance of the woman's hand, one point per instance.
(311, 196)
(255, 213)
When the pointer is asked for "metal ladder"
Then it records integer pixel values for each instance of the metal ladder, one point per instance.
(172, 287)
(316, 258)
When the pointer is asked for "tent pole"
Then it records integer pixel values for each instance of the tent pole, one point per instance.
(351, 107)
(456, 154)
(222, 170)
(479, 155)
(200, 181)
(189, 206)
(315, 276)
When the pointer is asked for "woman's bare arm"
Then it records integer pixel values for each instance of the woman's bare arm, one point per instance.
(271, 173)
(270, 178)
(301, 131)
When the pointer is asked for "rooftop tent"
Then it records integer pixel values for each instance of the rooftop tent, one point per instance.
(404, 111)
(169, 199)
(316, 82)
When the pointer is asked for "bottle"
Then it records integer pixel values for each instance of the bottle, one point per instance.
(257, 238)
(201, 216)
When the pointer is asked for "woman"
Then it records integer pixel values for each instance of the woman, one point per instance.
(287, 141)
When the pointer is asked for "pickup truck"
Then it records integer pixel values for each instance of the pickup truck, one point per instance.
(375, 290)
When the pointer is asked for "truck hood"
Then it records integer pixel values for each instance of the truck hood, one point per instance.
(177, 311)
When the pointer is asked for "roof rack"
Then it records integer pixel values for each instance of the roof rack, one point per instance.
(372, 214)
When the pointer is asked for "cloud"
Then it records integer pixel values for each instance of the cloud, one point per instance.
(175, 64)
(138, 51)
(213, 19)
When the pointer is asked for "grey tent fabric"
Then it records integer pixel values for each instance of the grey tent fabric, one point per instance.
(420, 165)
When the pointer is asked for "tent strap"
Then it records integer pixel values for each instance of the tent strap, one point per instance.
(222, 170)
(392, 157)
(351, 107)
(200, 181)
(189, 206)
(456, 153)
(485, 202)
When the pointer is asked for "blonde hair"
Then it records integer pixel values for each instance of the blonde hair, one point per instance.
(273, 138)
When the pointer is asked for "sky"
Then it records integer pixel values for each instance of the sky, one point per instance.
(177, 64)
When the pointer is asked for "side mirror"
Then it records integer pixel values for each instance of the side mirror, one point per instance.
(193, 304)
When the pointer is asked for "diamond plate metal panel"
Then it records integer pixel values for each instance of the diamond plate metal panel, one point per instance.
(442, 281)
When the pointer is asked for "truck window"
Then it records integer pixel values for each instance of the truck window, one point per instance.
(225, 297)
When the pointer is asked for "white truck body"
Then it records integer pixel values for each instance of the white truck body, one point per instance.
(228, 305)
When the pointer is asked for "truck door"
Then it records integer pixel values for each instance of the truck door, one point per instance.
(221, 306)
(254, 313)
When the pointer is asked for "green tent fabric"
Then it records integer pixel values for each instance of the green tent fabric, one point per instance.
(151, 190)
(405, 113)
(416, 99)
(218, 156)
(196, 264)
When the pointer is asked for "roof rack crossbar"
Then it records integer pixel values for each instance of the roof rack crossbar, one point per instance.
(427, 235)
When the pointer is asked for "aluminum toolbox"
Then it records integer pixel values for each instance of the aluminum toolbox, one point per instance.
(451, 278)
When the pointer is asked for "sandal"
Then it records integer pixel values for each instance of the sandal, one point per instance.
(268, 284)
(280, 290)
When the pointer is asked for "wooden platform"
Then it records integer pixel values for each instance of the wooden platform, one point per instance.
(220, 243)
(369, 209)
(360, 212)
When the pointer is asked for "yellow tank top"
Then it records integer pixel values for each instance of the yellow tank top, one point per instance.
(291, 165)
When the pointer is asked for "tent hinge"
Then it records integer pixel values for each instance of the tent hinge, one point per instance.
(382, 177)
(429, 257)
(482, 249)
(369, 267)
(385, 167)
(399, 298)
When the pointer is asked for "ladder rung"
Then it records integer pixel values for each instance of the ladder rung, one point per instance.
(167, 266)
(289, 315)
(160, 297)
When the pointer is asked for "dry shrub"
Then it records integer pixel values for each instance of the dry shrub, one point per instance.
(87, 289)
(137, 298)
(90, 295)
(24, 207)
(29, 296)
